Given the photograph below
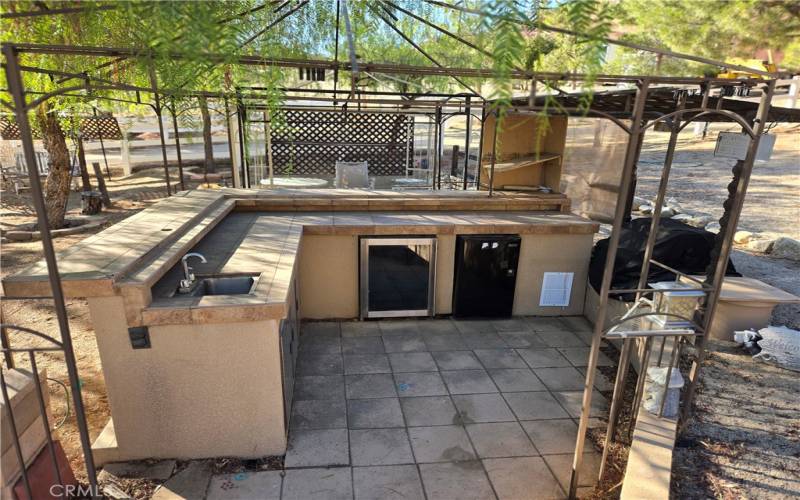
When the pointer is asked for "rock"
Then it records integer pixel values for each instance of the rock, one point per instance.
(639, 202)
(667, 213)
(786, 248)
(761, 246)
(675, 206)
(646, 209)
(742, 237)
(713, 227)
(18, 235)
(685, 218)
(701, 220)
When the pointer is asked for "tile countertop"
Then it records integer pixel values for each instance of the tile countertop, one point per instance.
(139, 258)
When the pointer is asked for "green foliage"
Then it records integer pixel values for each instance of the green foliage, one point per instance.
(717, 29)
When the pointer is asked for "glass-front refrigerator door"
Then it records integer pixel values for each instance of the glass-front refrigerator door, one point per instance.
(397, 276)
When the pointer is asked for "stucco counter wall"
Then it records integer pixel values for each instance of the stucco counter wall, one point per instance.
(199, 391)
(328, 273)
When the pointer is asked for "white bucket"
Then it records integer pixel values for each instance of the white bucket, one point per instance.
(654, 390)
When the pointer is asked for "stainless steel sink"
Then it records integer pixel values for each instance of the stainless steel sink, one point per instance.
(221, 285)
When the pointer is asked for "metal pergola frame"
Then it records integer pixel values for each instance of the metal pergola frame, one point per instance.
(712, 283)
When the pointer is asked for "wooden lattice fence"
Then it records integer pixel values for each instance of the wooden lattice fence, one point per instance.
(310, 142)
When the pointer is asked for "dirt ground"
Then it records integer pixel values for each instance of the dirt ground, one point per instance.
(744, 442)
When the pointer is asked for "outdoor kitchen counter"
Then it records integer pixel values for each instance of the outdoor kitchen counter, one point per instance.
(269, 243)
(139, 258)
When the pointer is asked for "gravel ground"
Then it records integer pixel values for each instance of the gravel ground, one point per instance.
(744, 440)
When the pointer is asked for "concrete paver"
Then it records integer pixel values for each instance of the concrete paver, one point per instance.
(482, 408)
(468, 382)
(379, 385)
(516, 380)
(456, 481)
(534, 405)
(246, 486)
(441, 444)
(192, 482)
(380, 447)
(389, 482)
(433, 409)
(366, 363)
(319, 414)
(503, 439)
(427, 411)
(522, 478)
(374, 413)
(457, 360)
(412, 362)
(419, 384)
(318, 484)
(318, 447)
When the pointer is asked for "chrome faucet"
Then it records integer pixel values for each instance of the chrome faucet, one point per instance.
(188, 276)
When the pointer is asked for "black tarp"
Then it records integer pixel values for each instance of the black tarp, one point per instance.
(678, 245)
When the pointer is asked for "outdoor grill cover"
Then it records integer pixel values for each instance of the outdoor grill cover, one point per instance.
(678, 245)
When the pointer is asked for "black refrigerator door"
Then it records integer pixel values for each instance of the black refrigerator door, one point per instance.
(485, 275)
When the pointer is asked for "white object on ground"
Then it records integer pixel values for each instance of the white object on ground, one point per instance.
(654, 390)
(742, 336)
(780, 345)
(713, 227)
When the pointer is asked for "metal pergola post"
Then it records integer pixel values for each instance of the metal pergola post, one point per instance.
(102, 145)
(17, 91)
(495, 125)
(628, 343)
(468, 115)
(230, 139)
(157, 109)
(243, 153)
(174, 112)
(480, 151)
(613, 244)
(724, 240)
(437, 146)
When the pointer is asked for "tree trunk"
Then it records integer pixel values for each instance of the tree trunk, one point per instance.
(210, 166)
(56, 187)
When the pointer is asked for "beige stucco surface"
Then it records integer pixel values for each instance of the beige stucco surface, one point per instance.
(329, 277)
(199, 391)
(329, 274)
(551, 253)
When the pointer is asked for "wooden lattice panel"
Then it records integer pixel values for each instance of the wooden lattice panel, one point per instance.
(311, 142)
(9, 130)
(100, 127)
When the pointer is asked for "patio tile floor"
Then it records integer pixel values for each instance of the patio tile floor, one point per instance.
(391, 482)
(433, 409)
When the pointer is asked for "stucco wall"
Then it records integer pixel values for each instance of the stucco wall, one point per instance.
(551, 253)
(199, 391)
(328, 271)
(329, 274)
